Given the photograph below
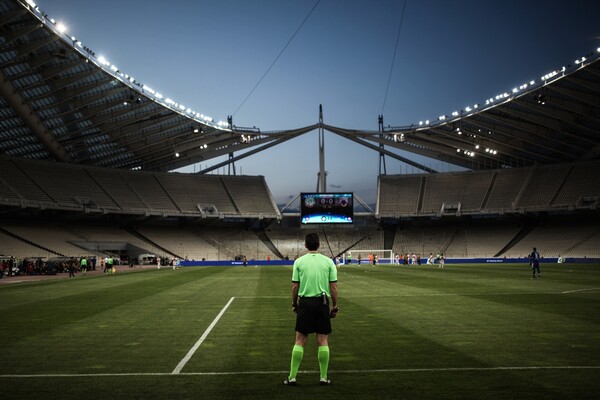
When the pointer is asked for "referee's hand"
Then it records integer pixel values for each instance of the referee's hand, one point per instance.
(295, 308)
(334, 312)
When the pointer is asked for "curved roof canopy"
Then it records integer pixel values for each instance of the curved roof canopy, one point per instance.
(59, 102)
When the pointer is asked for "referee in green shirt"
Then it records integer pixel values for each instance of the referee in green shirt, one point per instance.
(314, 280)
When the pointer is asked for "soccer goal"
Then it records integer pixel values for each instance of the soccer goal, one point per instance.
(382, 256)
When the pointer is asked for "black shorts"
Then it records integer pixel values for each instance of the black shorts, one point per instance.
(313, 316)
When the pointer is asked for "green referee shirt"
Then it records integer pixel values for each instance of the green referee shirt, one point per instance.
(314, 271)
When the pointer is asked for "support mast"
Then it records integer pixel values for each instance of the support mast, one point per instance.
(322, 175)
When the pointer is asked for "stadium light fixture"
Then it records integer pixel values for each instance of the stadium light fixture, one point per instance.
(61, 27)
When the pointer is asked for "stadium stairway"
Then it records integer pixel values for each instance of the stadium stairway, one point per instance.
(525, 230)
(150, 241)
(262, 235)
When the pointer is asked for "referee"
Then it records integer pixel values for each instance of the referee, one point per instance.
(314, 279)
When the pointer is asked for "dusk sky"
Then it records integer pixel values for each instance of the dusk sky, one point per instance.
(209, 55)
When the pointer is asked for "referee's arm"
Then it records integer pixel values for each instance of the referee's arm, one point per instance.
(295, 287)
(333, 291)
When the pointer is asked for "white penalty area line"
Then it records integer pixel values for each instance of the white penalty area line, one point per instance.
(354, 371)
(190, 353)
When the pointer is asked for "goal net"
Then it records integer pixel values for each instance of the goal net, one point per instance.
(381, 256)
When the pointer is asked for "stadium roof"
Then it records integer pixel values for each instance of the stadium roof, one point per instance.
(60, 102)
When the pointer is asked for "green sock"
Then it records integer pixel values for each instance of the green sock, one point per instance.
(297, 355)
(323, 356)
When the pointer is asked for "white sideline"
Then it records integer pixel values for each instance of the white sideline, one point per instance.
(190, 353)
(354, 371)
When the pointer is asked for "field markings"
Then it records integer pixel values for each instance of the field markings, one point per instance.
(190, 353)
(579, 290)
(353, 371)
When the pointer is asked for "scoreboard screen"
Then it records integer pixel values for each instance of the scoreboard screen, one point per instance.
(327, 208)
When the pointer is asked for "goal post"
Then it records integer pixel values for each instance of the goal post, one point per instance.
(385, 256)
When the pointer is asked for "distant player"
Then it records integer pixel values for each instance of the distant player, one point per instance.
(83, 265)
(534, 262)
(442, 258)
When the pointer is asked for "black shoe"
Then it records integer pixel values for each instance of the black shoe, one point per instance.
(290, 382)
(324, 382)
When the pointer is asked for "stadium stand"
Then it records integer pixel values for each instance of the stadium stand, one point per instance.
(581, 183)
(491, 192)
(148, 187)
(20, 186)
(54, 238)
(184, 242)
(62, 186)
(189, 191)
(557, 237)
(118, 189)
(250, 195)
(506, 187)
(10, 246)
(399, 196)
(231, 243)
(542, 186)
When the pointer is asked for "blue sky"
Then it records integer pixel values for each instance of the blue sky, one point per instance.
(209, 54)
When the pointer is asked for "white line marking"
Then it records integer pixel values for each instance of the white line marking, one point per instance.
(190, 353)
(354, 371)
(579, 290)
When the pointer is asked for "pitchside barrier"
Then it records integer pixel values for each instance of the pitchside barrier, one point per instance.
(253, 263)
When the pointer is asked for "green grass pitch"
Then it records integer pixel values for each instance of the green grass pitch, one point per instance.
(462, 332)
